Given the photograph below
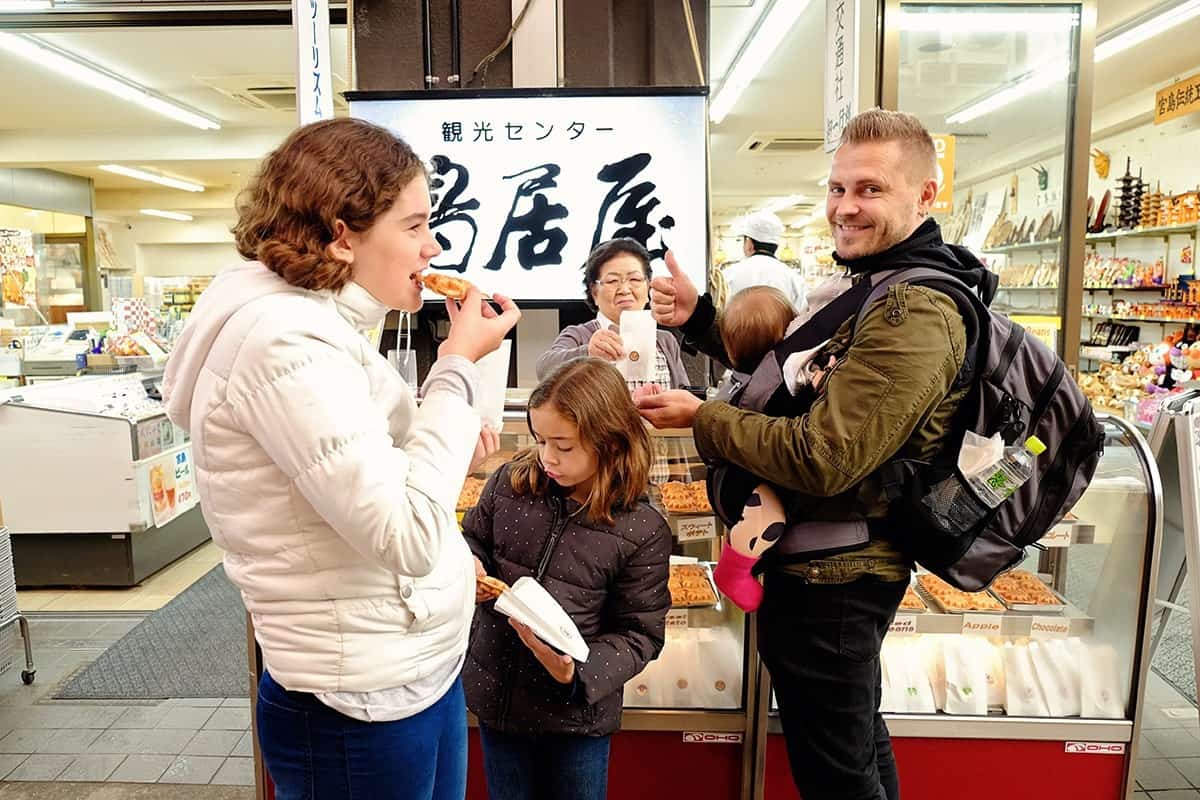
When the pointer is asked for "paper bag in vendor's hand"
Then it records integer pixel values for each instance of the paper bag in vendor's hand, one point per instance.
(639, 337)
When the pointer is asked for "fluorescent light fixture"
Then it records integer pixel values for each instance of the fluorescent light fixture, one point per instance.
(772, 26)
(956, 19)
(823, 182)
(73, 67)
(1035, 81)
(778, 204)
(152, 177)
(26, 5)
(1147, 27)
(175, 215)
(1110, 44)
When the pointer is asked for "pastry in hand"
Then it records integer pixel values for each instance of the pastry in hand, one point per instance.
(494, 586)
(446, 285)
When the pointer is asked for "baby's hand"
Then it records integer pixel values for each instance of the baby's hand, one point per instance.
(816, 375)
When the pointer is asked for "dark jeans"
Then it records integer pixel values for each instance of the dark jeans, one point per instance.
(544, 766)
(820, 642)
(315, 753)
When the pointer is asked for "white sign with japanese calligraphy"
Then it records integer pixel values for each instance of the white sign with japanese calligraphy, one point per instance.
(526, 183)
(841, 68)
(314, 86)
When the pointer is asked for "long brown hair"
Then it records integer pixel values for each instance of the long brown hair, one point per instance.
(342, 168)
(593, 396)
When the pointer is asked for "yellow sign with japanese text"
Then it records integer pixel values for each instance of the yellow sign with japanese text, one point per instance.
(1177, 100)
(944, 145)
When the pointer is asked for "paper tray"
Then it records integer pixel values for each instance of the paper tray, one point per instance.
(937, 607)
(1026, 608)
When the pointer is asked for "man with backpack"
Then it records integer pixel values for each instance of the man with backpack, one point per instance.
(893, 393)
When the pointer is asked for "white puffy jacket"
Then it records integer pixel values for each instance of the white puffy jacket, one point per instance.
(330, 492)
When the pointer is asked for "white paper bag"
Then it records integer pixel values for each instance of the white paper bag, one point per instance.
(493, 384)
(966, 676)
(995, 674)
(1101, 694)
(639, 336)
(529, 603)
(1053, 684)
(1022, 695)
(892, 698)
(931, 648)
(918, 694)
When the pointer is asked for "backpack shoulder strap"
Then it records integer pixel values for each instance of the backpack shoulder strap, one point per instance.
(971, 307)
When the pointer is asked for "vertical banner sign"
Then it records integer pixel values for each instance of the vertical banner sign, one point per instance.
(314, 84)
(525, 185)
(841, 68)
(944, 145)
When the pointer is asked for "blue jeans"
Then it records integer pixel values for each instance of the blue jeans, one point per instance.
(315, 753)
(544, 766)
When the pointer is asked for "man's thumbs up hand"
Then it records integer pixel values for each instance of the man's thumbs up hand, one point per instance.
(673, 299)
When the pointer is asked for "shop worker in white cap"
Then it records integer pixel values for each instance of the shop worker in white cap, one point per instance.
(761, 234)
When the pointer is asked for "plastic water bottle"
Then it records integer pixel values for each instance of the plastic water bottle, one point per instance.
(1006, 476)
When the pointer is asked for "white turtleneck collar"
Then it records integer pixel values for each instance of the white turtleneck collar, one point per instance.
(359, 307)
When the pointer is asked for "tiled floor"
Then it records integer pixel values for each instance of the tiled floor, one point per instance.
(1168, 766)
(153, 593)
(179, 742)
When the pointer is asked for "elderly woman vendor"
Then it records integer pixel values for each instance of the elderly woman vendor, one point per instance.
(616, 278)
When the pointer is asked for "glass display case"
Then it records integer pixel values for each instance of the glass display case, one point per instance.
(1060, 660)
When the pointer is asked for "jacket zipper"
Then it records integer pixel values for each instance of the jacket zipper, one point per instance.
(556, 530)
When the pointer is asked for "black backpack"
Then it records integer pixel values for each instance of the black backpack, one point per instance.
(1016, 386)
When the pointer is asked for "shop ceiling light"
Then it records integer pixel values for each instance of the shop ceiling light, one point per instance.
(758, 48)
(152, 177)
(175, 215)
(956, 19)
(777, 204)
(1115, 41)
(1034, 81)
(71, 66)
(1145, 28)
(26, 5)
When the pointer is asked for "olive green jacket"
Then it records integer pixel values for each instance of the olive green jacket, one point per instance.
(890, 394)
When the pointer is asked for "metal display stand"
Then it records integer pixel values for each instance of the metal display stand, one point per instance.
(1175, 441)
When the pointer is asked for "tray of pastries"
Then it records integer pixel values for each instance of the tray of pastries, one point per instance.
(685, 498)
(691, 586)
(1021, 590)
(945, 598)
(912, 602)
(469, 496)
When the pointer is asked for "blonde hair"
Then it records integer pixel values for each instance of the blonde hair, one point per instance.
(878, 125)
(592, 395)
(754, 321)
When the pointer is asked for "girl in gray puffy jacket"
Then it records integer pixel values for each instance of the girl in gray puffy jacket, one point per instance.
(570, 513)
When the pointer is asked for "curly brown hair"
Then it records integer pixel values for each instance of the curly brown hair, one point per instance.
(592, 395)
(338, 169)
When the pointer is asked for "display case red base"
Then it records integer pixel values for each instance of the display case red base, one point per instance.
(981, 769)
(649, 764)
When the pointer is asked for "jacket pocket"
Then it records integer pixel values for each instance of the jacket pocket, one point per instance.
(441, 596)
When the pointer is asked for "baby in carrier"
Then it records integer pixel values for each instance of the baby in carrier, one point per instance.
(754, 321)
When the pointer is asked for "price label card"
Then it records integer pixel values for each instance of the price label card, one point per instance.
(1058, 536)
(981, 624)
(677, 619)
(694, 529)
(903, 624)
(1049, 628)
